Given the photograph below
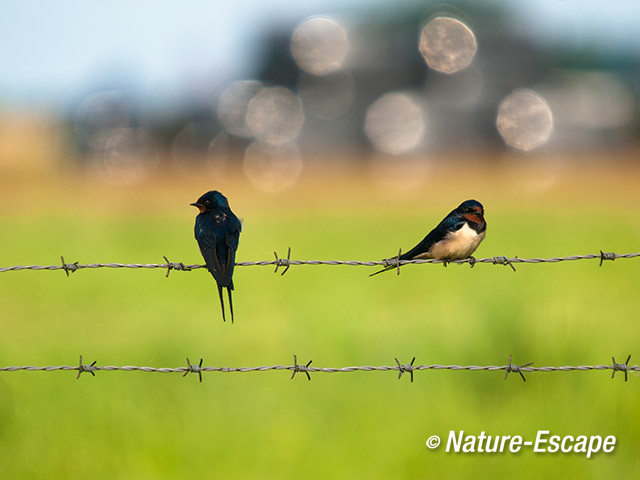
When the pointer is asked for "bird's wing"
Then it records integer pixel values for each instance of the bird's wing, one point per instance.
(207, 241)
(217, 237)
(450, 223)
(231, 237)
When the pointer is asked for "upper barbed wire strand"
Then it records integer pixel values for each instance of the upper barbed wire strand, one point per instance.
(497, 260)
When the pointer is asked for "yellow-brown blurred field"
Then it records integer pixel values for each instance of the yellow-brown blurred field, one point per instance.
(365, 424)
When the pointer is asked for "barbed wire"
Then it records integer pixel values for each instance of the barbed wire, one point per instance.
(307, 369)
(287, 262)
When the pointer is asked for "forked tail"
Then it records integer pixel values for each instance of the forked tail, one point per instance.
(222, 302)
(230, 303)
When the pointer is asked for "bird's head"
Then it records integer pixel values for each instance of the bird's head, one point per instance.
(471, 210)
(211, 200)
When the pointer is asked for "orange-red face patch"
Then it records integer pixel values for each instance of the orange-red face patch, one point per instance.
(474, 217)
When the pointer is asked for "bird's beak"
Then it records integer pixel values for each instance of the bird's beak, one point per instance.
(200, 206)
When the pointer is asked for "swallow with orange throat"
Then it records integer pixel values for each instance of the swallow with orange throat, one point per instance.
(456, 237)
(217, 232)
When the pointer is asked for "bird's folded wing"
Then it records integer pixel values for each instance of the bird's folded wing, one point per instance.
(207, 243)
(231, 238)
(445, 227)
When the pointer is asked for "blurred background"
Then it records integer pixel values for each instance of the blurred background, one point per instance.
(127, 91)
(345, 130)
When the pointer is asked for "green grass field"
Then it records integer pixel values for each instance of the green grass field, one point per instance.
(122, 425)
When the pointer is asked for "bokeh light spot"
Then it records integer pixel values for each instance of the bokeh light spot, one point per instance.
(319, 45)
(524, 119)
(447, 45)
(394, 123)
(275, 115)
(272, 168)
(233, 104)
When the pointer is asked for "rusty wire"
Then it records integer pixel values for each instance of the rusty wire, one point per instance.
(287, 262)
(307, 369)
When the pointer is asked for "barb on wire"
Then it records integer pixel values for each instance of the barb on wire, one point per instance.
(624, 367)
(501, 261)
(288, 262)
(86, 368)
(606, 256)
(516, 369)
(175, 266)
(194, 369)
(394, 262)
(300, 368)
(283, 262)
(405, 368)
(68, 267)
(307, 369)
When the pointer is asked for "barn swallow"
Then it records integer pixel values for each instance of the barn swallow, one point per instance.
(456, 237)
(217, 231)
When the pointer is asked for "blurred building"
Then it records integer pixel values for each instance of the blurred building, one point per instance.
(393, 80)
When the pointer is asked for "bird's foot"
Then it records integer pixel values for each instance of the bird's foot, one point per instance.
(445, 262)
(472, 261)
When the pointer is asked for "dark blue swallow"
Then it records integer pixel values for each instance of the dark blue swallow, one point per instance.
(456, 237)
(217, 231)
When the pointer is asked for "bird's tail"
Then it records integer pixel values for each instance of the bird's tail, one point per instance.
(222, 302)
(230, 303)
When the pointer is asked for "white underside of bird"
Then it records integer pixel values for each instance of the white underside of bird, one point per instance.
(456, 245)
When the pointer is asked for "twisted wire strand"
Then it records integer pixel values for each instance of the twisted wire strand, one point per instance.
(365, 368)
(286, 262)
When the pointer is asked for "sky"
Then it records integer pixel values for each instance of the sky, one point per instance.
(51, 53)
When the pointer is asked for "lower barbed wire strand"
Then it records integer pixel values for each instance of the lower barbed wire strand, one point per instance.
(131, 368)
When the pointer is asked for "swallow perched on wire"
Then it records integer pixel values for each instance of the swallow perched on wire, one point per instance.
(217, 231)
(456, 237)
